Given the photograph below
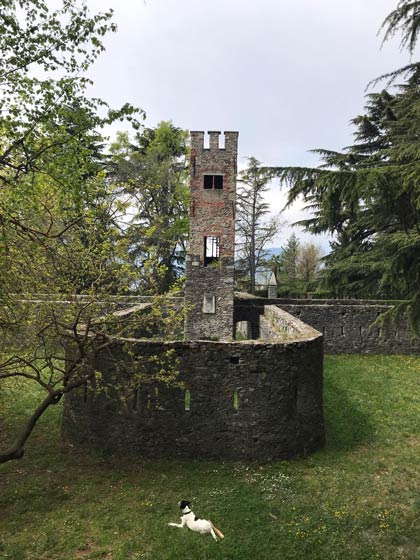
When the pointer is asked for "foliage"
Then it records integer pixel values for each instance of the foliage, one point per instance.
(357, 499)
(285, 266)
(254, 231)
(368, 197)
(309, 258)
(288, 260)
(405, 19)
(43, 103)
(61, 214)
(297, 267)
(152, 172)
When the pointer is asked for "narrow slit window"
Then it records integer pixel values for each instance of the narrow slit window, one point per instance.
(211, 249)
(213, 181)
(187, 400)
(235, 401)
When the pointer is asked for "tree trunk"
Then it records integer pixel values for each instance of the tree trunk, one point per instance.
(17, 451)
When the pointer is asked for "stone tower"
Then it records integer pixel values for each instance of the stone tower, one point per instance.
(210, 259)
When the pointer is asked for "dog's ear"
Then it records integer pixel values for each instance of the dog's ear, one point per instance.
(183, 504)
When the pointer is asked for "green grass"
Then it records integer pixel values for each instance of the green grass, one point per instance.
(359, 498)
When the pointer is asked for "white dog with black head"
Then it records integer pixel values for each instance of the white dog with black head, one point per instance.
(194, 523)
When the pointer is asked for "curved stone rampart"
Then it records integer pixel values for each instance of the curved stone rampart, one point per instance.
(249, 400)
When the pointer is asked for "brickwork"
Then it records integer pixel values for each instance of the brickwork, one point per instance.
(212, 215)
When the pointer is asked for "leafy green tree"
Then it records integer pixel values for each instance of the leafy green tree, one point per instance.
(152, 171)
(308, 265)
(45, 54)
(61, 214)
(254, 231)
(49, 128)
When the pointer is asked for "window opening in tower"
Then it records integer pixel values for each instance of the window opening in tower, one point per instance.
(211, 249)
(213, 181)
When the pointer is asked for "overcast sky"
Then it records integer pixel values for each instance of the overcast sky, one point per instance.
(287, 74)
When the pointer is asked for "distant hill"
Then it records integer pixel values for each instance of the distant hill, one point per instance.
(274, 251)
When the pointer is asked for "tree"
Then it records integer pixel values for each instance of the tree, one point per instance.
(254, 231)
(297, 265)
(153, 173)
(61, 227)
(367, 195)
(45, 54)
(308, 262)
(49, 127)
(287, 262)
(405, 19)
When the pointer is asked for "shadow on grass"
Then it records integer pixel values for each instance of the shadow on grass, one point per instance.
(347, 425)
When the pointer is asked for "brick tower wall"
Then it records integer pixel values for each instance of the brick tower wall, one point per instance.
(209, 285)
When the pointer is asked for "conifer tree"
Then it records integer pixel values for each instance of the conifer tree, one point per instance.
(405, 19)
(368, 195)
(253, 229)
(288, 260)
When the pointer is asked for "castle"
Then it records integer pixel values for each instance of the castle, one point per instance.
(259, 398)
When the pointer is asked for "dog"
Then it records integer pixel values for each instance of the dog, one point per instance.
(194, 523)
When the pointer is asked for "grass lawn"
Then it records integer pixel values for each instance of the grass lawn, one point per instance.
(359, 498)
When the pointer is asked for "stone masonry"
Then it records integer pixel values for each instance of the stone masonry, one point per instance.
(347, 326)
(249, 400)
(238, 400)
(210, 259)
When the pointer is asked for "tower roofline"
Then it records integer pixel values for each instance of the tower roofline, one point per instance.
(217, 140)
(214, 132)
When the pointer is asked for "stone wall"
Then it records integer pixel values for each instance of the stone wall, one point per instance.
(275, 323)
(251, 400)
(346, 325)
(215, 281)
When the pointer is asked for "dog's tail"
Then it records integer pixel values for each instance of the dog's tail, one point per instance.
(218, 533)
